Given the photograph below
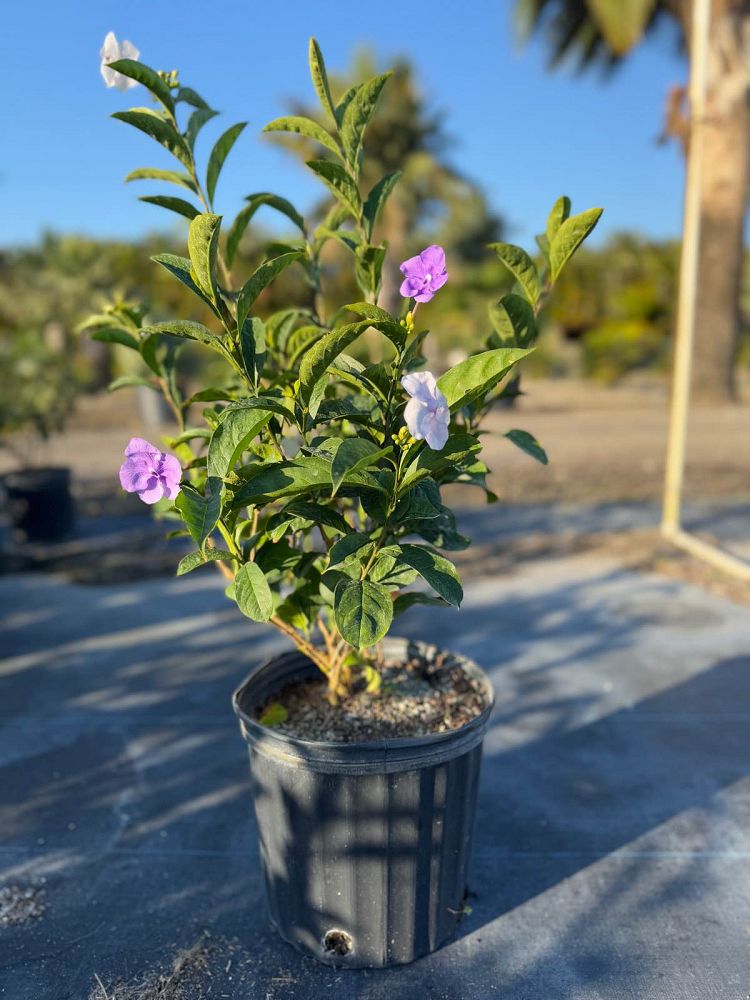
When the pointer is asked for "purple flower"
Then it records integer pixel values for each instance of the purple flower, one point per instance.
(149, 472)
(424, 274)
(427, 415)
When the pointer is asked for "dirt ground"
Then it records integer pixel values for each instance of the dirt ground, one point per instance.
(604, 444)
(609, 444)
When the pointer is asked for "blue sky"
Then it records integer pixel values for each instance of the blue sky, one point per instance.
(524, 134)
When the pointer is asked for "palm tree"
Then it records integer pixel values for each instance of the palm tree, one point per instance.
(603, 32)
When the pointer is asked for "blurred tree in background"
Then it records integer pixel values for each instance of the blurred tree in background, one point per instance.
(617, 302)
(432, 202)
(591, 32)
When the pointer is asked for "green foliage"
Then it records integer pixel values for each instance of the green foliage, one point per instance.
(303, 481)
(37, 391)
(618, 304)
(618, 346)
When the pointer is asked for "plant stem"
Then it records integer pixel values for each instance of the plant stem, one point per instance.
(302, 644)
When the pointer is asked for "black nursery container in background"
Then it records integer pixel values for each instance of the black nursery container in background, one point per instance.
(365, 846)
(39, 503)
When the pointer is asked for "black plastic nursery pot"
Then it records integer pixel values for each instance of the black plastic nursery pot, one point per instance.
(39, 503)
(365, 846)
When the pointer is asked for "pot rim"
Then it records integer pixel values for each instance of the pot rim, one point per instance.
(399, 753)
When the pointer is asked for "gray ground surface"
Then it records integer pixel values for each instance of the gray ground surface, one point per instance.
(612, 853)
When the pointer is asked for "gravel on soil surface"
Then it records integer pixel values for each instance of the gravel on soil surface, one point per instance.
(415, 699)
(19, 904)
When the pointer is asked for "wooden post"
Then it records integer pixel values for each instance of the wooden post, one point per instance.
(671, 523)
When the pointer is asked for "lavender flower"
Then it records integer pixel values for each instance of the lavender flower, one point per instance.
(111, 51)
(427, 415)
(424, 274)
(149, 472)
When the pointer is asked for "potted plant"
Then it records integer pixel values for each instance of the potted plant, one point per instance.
(37, 392)
(314, 483)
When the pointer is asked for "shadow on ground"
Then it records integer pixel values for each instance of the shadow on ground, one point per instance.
(611, 844)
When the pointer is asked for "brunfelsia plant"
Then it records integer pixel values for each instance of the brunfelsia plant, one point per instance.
(315, 480)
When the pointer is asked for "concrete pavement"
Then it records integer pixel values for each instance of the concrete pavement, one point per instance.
(612, 848)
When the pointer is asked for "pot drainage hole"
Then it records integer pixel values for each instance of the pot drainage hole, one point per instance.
(337, 942)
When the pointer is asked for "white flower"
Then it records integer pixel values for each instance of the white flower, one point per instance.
(427, 414)
(111, 51)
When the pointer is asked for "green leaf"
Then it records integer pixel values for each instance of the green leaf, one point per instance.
(178, 205)
(373, 678)
(244, 216)
(274, 404)
(236, 429)
(150, 79)
(339, 183)
(377, 198)
(284, 479)
(253, 347)
(521, 266)
(353, 455)
(305, 475)
(187, 330)
(421, 502)
(320, 78)
(363, 612)
(528, 443)
(260, 279)
(304, 126)
(196, 122)
(457, 448)
(273, 715)
(369, 311)
(318, 514)
(218, 155)
(190, 96)
(346, 547)
(391, 570)
(127, 380)
(149, 345)
(116, 335)
(181, 267)
(368, 269)
(210, 395)
(198, 558)
(200, 513)
(357, 115)
(156, 174)
(203, 247)
(344, 103)
(405, 601)
(569, 237)
(473, 378)
(558, 214)
(315, 363)
(513, 320)
(252, 593)
(190, 434)
(438, 571)
(154, 124)
(356, 409)
(300, 341)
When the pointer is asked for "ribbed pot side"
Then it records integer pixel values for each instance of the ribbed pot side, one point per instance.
(365, 846)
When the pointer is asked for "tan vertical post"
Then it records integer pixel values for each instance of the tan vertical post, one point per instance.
(685, 328)
(671, 523)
